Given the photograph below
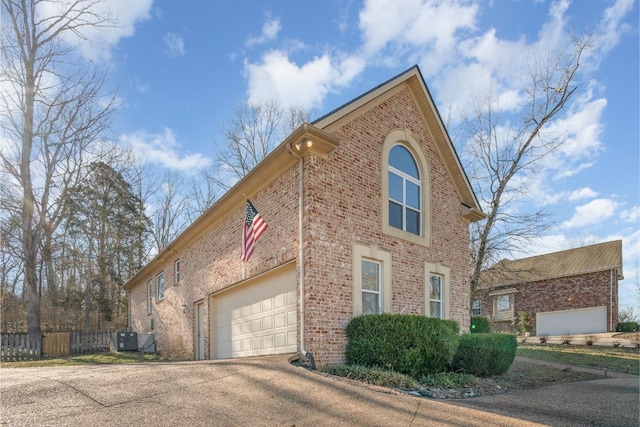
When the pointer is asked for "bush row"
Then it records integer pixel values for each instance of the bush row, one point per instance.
(420, 346)
(627, 327)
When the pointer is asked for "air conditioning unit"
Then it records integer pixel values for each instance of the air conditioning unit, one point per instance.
(125, 341)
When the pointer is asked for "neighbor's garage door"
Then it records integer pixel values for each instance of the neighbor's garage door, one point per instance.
(257, 319)
(583, 321)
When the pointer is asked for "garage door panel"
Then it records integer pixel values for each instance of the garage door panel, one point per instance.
(257, 319)
(566, 322)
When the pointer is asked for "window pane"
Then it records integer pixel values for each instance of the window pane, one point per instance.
(160, 286)
(413, 195)
(395, 215)
(435, 288)
(434, 307)
(413, 221)
(401, 159)
(370, 276)
(395, 187)
(370, 303)
(503, 302)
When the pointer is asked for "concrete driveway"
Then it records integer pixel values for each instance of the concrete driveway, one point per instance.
(265, 391)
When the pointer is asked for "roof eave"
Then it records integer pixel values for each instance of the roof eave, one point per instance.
(279, 160)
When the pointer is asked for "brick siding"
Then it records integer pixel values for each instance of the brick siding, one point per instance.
(564, 293)
(342, 200)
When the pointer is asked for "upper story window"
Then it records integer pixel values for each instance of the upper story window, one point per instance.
(160, 286)
(405, 185)
(404, 191)
(150, 297)
(176, 268)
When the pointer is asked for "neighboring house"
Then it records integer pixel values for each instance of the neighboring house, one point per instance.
(567, 292)
(368, 210)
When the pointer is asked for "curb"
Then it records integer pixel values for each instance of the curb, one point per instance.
(603, 372)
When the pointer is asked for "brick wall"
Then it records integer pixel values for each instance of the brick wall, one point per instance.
(344, 202)
(564, 293)
(342, 206)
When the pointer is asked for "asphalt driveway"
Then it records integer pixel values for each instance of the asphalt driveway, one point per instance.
(268, 391)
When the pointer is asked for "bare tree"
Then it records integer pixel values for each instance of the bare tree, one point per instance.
(50, 115)
(503, 154)
(169, 216)
(249, 136)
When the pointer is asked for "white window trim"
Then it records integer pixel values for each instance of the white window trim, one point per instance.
(150, 296)
(440, 300)
(378, 293)
(404, 138)
(158, 296)
(372, 253)
(505, 313)
(176, 271)
(477, 306)
(438, 269)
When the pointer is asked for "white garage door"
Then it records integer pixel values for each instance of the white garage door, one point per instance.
(583, 321)
(257, 319)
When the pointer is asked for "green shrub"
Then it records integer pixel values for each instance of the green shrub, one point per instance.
(627, 327)
(485, 354)
(408, 344)
(480, 325)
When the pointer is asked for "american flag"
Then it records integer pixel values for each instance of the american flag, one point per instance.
(253, 228)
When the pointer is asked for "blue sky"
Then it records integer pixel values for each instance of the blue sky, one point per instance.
(181, 69)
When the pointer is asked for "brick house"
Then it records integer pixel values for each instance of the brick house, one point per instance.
(568, 292)
(368, 210)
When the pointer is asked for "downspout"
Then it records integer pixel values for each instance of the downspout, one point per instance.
(301, 253)
(611, 301)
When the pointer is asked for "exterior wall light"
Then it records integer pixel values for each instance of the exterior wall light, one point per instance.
(305, 142)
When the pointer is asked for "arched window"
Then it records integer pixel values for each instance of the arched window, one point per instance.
(406, 198)
(405, 204)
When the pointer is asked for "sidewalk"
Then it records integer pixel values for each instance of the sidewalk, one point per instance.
(603, 372)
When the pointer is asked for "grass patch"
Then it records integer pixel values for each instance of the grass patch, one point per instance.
(87, 359)
(374, 376)
(385, 378)
(616, 359)
(447, 380)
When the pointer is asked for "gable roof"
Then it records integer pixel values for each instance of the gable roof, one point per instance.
(323, 143)
(587, 259)
(413, 80)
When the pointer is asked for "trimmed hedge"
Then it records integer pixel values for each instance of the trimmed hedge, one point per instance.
(485, 355)
(480, 325)
(408, 344)
(627, 327)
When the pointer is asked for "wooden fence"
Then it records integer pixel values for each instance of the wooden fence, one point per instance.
(90, 342)
(18, 347)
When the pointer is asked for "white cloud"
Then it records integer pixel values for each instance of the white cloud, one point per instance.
(583, 193)
(163, 149)
(174, 45)
(611, 26)
(594, 212)
(631, 215)
(568, 169)
(270, 30)
(277, 77)
(402, 25)
(96, 42)
(140, 87)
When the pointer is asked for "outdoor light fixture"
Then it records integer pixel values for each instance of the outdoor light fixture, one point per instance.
(184, 308)
(305, 142)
